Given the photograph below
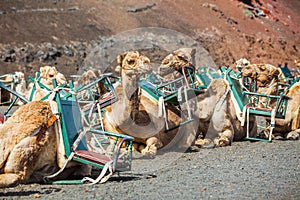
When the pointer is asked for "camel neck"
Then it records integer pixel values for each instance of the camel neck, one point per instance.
(131, 94)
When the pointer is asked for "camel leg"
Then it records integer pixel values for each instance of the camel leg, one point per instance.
(21, 162)
(9, 180)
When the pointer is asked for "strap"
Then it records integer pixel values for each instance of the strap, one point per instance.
(101, 178)
(46, 178)
(160, 106)
(188, 105)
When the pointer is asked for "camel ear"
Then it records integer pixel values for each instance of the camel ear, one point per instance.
(42, 70)
(118, 69)
(54, 69)
(120, 58)
(262, 67)
(276, 72)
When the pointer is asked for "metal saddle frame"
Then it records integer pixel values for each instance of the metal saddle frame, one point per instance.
(253, 103)
(172, 92)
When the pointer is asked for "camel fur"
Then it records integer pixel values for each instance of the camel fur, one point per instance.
(31, 149)
(26, 153)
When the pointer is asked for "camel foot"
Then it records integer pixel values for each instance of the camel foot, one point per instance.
(222, 141)
(149, 150)
(263, 135)
(205, 143)
(293, 135)
(193, 148)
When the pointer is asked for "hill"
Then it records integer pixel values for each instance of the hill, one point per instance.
(61, 32)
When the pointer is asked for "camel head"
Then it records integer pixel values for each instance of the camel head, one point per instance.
(242, 63)
(133, 64)
(48, 73)
(263, 73)
(176, 60)
(88, 77)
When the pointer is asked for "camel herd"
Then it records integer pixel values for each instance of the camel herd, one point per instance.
(30, 146)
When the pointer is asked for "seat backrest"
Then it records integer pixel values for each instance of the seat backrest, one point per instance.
(235, 87)
(70, 119)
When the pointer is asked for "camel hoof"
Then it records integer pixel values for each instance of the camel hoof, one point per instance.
(293, 135)
(210, 145)
(222, 141)
(151, 152)
(278, 137)
(203, 142)
(263, 135)
(193, 148)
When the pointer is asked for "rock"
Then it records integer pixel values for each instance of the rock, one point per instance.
(42, 56)
(29, 57)
(67, 49)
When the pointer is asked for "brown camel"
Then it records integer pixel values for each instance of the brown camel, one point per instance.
(31, 147)
(290, 126)
(219, 123)
(135, 114)
(47, 74)
(27, 146)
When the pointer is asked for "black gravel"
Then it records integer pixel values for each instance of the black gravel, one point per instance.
(245, 170)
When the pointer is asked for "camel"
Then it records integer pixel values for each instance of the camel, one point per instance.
(265, 77)
(135, 114)
(219, 123)
(17, 82)
(47, 74)
(263, 74)
(288, 127)
(28, 147)
(32, 148)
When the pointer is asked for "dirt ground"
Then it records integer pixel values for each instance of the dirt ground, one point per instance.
(245, 170)
(72, 34)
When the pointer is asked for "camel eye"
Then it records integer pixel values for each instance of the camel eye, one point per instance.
(131, 62)
(165, 62)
